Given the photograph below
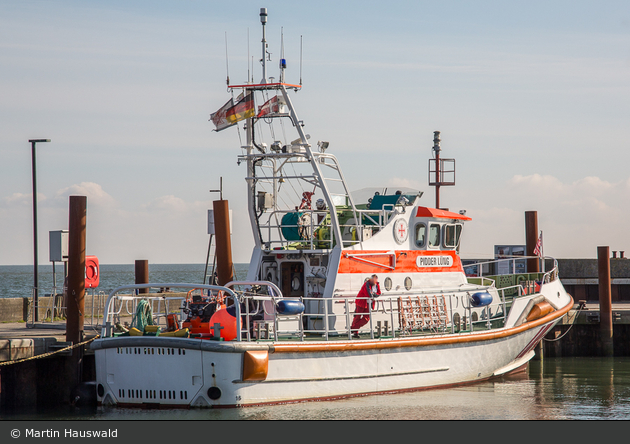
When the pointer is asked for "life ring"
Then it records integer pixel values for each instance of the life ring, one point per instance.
(92, 273)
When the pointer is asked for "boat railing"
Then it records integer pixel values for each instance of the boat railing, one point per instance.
(317, 232)
(116, 302)
(395, 314)
(320, 319)
(549, 276)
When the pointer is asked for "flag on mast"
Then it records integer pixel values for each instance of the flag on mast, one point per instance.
(538, 250)
(219, 118)
(271, 106)
(244, 109)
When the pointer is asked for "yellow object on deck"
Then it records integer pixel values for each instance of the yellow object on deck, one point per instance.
(183, 333)
(135, 332)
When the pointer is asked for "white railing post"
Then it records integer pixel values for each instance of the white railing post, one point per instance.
(326, 319)
(348, 323)
(369, 301)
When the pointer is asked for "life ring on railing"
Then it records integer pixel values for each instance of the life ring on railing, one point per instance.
(92, 272)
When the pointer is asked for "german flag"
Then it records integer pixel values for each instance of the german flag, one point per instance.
(244, 109)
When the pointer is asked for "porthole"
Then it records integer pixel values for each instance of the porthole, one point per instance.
(408, 283)
(388, 284)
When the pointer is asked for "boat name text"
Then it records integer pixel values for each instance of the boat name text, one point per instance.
(434, 261)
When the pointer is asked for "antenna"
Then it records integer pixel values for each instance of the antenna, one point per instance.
(248, 54)
(220, 190)
(227, 68)
(263, 20)
(300, 60)
(283, 61)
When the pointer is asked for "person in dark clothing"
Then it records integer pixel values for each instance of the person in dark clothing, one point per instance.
(368, 292)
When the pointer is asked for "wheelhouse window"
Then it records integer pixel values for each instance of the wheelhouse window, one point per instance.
(452, 233)
(421, 235)
(434, 236)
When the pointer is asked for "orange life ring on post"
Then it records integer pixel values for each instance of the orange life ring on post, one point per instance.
(92, 272)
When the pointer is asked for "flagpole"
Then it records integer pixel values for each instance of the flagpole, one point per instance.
(542, 251)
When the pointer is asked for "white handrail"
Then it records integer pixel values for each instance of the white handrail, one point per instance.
(106, 321)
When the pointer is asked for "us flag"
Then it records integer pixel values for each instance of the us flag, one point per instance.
(538, 249)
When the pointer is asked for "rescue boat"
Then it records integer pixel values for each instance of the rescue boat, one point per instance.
(315, 246)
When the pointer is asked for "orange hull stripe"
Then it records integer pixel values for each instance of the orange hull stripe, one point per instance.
(405, 262)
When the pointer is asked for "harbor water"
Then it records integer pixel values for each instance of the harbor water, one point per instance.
(16, 281)
(555, 388)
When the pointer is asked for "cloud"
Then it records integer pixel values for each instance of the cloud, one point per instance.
(22, 199)
(575, 217)
(167, 204)
(94, 192)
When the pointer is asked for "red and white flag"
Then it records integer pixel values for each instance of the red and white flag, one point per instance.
(220, 119)
(271, 106)
(538, 250)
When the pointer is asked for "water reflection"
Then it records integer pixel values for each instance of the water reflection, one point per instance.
(583, 388)
(556, 388)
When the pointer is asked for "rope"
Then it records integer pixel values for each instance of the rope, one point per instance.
(45, 355)
(143, 316)
(572, 324)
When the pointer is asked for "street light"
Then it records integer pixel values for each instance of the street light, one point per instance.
(35, 263)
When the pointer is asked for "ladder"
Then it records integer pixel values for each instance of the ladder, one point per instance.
(422, 313)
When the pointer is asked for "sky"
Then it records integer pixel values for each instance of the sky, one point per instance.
(532, 99)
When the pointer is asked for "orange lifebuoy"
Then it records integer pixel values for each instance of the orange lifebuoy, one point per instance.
(92, 272)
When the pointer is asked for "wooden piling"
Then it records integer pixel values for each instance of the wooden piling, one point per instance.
(605, 301)
(531, 237)
(76, 269)
(142, 274)
(225, 266)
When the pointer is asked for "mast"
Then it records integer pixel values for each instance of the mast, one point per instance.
(283, 61)
(442, 169)
(437, 149)
(263, 20)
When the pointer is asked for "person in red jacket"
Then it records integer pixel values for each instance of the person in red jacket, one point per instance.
(369, 291)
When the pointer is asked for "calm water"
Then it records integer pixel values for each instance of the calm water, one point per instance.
(557, 388)
(16, 281)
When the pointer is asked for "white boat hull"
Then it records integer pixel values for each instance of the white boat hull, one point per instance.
(181, 372)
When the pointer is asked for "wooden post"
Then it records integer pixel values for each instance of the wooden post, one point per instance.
(76, 269)
(225, 267)
(605, 301)
(531, 237)
(142, 274)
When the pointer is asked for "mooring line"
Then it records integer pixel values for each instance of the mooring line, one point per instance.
(45, 355)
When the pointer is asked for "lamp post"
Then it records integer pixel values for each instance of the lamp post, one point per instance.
(35, 262)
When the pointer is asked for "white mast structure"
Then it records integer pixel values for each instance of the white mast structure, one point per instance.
(313, 158)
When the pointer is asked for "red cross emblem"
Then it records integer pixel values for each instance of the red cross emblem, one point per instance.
(401, 230)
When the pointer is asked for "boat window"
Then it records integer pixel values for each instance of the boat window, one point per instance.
(434, 235)
(388, 284)
(421, 234)
(408, 283)
(452, 233)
